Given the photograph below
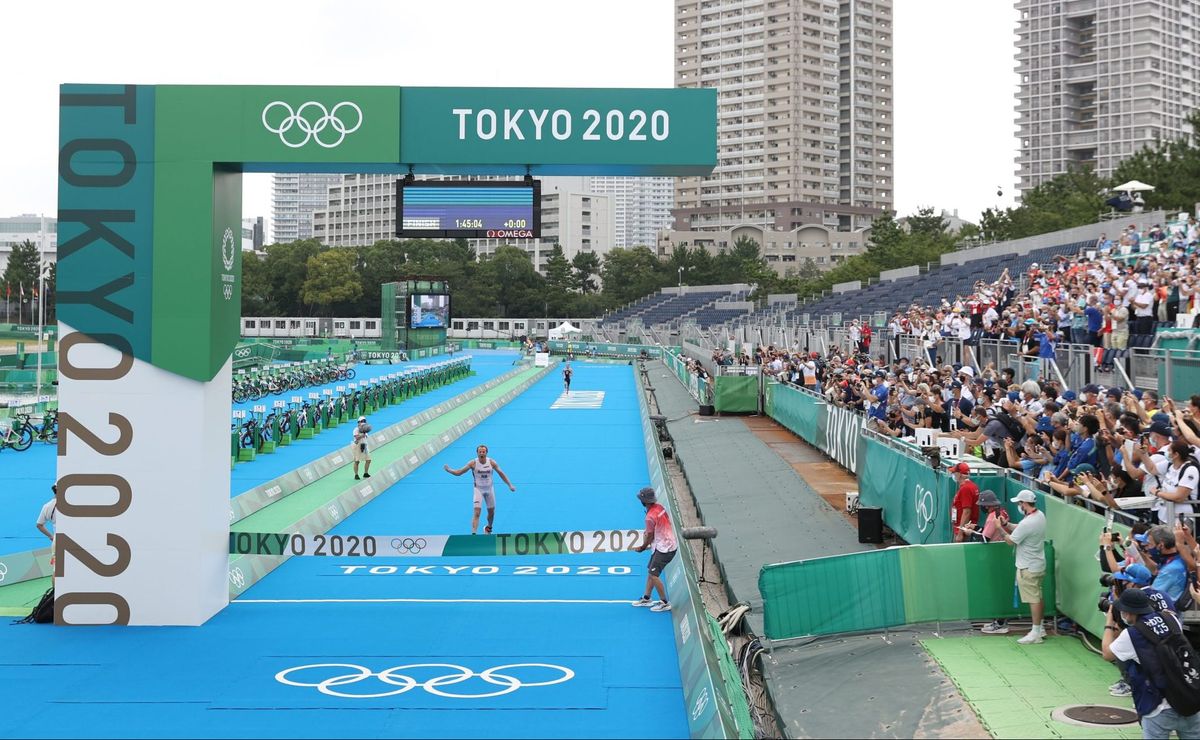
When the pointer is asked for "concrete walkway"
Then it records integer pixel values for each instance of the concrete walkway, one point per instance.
(750, 480)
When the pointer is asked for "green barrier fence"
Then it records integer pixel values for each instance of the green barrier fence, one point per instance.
(715, 701)
(736, 394)
(831, 429)
(674, 361)
(580, 348)
(915, 503)
(893, 587)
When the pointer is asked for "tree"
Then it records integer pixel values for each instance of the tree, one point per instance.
(1073, 198)
(330, 279)
(256, 286)
(629, 274)
(927, 222)
(22, 268)
(558, 271)
(585, 264)
(1172, 167)
(286, 272)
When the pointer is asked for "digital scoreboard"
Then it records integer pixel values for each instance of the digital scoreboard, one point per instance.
(468, 209)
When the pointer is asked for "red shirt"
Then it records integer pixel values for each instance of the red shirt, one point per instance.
(966, 499)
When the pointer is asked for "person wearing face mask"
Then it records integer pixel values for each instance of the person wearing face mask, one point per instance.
(1168, 565)
(1165, 699)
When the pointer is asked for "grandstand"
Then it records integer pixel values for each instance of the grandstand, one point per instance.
(703, 305)
(926, 289)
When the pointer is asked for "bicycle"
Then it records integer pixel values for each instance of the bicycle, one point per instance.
(47, 431)
(19, 439)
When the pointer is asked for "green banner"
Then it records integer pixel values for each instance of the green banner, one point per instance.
(736, 394)
(915, 503)
(503, 130)
(802, 413)
(896, 586)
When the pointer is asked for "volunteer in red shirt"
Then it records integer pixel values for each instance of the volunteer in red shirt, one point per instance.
(661, 537)
(965, 508)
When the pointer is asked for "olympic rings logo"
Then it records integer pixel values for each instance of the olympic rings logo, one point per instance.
(3, 571)
(409, 545)
(397, 677)
(323, 118)
(925, 506)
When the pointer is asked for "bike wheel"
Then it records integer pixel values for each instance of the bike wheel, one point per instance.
(24, 440)
(350, 373)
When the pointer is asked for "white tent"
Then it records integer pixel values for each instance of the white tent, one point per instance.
(1132, 186)
(562, 330)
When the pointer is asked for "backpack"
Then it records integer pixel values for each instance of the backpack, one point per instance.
(1015, 430)
(1178, 675)
(43, 613)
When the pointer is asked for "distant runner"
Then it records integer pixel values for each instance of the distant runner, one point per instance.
(481, 469)
(662, 537)
(567, 373)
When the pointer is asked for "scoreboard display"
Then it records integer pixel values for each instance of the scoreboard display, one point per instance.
(468, 209)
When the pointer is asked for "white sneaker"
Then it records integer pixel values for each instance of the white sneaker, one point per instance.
(1033, 638)
(995, 628)
(644, 602)
(660, 606)
(1120, 688)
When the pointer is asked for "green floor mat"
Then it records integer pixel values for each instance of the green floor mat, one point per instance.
(1014, 688)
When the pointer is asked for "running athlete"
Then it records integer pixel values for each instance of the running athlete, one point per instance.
(662, 537)
(485, 493)
(567, 373)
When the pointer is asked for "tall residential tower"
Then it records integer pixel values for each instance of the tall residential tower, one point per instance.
(1100, 79)
(805, 112)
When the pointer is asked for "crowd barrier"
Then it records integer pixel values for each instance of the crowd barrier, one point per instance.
(715, 701)
(916, 498)
(897, 586)
(676, 364)
(832, 429)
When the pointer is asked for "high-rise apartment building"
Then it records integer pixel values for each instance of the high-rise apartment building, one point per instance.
(294, 198)
(805, 112)
(362, 210)
(1100, 79)
(641, 207)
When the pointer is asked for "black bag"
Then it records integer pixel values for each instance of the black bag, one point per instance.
(1179, 668)
(1015, 430)
(43, 613)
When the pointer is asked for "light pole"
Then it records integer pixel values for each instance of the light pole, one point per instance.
(42, 272)
(681, 279)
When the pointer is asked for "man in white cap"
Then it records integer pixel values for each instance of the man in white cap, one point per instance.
(1029, 537)
(362, 451)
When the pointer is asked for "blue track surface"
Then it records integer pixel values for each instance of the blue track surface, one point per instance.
(600, 668)
(26, 477)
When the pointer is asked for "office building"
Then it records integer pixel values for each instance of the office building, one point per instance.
(1100, 79)
(804, 112)
(294, 198)
(252, 234)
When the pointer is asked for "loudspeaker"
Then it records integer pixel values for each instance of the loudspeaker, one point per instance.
(870, 525)
(707, 410)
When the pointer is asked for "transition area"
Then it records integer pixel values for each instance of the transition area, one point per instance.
(412, 646)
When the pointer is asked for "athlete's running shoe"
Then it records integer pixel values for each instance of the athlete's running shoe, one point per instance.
(487, 529)
(660, 606)
(644, 602)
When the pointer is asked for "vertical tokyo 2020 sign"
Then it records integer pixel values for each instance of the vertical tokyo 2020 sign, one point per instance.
(149, 284)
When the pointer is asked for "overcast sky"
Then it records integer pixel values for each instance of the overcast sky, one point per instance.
(954, 79)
